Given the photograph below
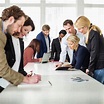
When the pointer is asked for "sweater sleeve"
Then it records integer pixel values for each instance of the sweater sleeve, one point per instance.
(29, 56)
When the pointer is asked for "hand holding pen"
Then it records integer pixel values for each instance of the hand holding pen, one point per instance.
(33, 78)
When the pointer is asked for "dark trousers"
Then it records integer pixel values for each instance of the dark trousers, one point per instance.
(1, 89)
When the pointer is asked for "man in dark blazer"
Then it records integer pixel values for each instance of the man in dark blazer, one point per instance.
(44, 39)
(10, 53)
(56, 46)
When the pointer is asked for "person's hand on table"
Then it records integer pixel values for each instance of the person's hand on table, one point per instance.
(32, 79)
(87, 71)
(35, 78)
(40, 59)
(67, 65)
(59, 64)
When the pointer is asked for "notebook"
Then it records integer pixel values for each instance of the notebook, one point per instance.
(46, 57)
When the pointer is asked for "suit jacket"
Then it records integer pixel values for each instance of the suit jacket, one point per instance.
(55, 49)
(5, 71)
(95, 46)
(43, 46)
(10, 53)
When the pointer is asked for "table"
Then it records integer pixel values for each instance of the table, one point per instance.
(63, 90)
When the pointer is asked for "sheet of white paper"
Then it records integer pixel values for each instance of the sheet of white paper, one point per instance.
(40, 84)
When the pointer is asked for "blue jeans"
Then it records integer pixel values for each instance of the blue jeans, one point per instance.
(99, 75)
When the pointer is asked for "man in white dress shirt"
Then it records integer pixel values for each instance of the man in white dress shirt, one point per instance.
(69, 27)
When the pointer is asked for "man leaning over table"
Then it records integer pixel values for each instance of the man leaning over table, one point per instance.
(69, 27)
(11, 22)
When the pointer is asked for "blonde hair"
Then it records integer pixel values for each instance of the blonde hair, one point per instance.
(96, 28)
(73, 38)
(83, 21)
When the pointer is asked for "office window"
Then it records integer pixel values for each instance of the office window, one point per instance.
(54, 12)
(55, 16)
(97, 17)
(94, 1)
(24, 1)
(2, 1)
(61, 1)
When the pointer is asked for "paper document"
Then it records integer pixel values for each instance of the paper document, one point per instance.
(40, 84)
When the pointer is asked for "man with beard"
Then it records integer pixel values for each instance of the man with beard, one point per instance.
(11, 22)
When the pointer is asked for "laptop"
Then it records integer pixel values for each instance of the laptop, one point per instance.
(46, 57)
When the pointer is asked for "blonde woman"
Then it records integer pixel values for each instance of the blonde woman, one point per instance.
(80, 53)
(95, 45)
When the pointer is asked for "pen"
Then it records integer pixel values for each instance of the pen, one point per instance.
(50, 83)
(30, 74)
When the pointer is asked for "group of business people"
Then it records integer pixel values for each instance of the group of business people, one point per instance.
(85, 47)
(38, 46)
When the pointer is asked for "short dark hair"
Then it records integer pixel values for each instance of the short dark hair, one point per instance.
(29, 22)
(68, 21)
(63, 32)
(14, 11)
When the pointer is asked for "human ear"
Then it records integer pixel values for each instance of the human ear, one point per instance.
(11, 20)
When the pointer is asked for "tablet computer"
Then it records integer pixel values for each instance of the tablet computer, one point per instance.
(46, 57)
(65, 69)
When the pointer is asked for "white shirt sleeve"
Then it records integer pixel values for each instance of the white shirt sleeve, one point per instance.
(65, 49)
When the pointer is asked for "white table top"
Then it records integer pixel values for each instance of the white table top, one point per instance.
(63, 90)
